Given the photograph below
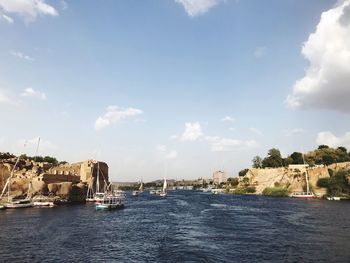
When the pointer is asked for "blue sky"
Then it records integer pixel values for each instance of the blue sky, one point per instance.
(196, 85)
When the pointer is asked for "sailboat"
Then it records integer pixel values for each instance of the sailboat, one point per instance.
(98, 197)
(14, 203)
(137, 192)
(164, 193)
(308, 193)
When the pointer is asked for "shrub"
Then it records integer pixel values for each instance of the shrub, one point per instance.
(243, 172)
(323, 182)
(275, 191)
(245, 190)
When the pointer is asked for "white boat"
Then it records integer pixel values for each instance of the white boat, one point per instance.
(135, 193)
(164, 193)
(152, 192)
(2, 207)
(138, 192)
(110, 202)
(21, 203)
(308, 193)
(44, 204)
(15, 203)
(333, 198)
(216, 191)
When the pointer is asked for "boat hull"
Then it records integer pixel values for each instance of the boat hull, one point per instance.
(44, 204)
(108, 207)
(303, 196)
(13, 206)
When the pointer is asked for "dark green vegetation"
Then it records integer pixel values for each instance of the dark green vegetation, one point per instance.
(243, 172)
(41, 159)
(322, 155)
(245, 190)
(275, 191)
(337, 184)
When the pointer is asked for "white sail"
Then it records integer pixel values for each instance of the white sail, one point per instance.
(164, 185)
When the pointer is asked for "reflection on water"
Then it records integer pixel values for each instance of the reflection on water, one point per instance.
(186, 226)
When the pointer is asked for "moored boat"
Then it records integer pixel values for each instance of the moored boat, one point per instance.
(21, 203)
(305, 195)
(333, 198)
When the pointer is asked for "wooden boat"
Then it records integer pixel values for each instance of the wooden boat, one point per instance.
(21, 203)
(308, 193)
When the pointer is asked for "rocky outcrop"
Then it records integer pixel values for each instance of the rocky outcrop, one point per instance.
(69, 191)
(293, 178)
(66, 180)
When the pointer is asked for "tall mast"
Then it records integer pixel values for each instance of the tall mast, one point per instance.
(306, 177)
(31, 177)
(98, 178)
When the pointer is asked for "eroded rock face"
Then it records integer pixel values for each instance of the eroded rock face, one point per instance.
(38, 188)
(60, 189)
(69, 191)
(291, 178)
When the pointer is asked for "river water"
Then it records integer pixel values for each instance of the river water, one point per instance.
(187, 226)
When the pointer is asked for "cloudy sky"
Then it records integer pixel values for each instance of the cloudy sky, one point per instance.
(193, 85)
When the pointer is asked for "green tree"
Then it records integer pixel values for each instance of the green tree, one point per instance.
(323, 147)
(243, 172)
(257, 162)
(297, 158)
(232, 181)
(273, 159)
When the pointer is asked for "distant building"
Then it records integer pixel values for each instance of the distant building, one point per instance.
(219, 177)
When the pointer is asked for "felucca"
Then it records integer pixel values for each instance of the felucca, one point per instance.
(308, 193)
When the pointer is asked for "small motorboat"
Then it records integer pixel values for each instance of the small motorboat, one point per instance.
(333, 198)
(135, 193)
(43, 203)
(2, 207)
(152, 192)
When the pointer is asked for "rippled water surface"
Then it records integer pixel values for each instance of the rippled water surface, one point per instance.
(185, 227)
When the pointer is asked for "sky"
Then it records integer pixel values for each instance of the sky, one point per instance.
(183, 86)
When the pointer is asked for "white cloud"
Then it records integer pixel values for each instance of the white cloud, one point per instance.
(218, 144)
(255, 130)
(30, 92)
(294, 131)
(232, 129)
(228, 119)
(28, 9)
(197, 7)
(193, 131)
(328, 138)
(259, 52)
(20, 55)
(172, 154)
(326, 81)
(6, 18)
(115, 114)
